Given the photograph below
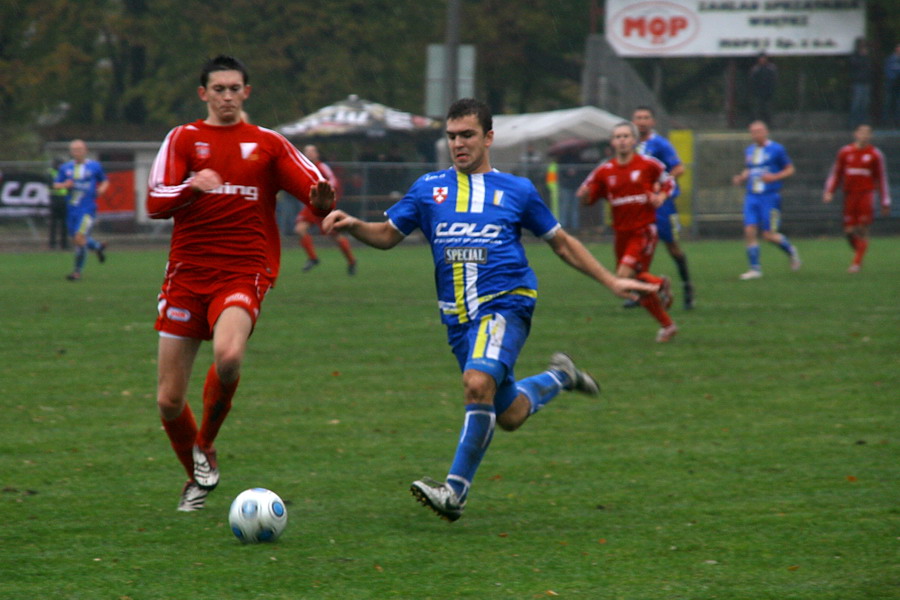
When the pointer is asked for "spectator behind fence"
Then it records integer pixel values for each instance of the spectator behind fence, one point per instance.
(763, 77)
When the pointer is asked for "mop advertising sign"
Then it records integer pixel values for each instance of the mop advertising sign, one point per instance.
(733, 28)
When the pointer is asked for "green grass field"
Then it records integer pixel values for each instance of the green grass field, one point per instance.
(754, 458)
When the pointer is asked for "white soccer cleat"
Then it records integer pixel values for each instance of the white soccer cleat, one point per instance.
(193, 497)
(580, 381)
(206, 468)
(439, 497)
(796, 263)
(854, 268)
(751, 274)
(666, 334)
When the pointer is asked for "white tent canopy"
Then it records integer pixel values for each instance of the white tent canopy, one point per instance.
(513, 133)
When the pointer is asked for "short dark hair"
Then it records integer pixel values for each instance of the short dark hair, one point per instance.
(470, 106)
(645, 107)
(223, 62)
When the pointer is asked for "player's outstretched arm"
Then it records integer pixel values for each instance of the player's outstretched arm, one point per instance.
(383, 236)
(578, 257)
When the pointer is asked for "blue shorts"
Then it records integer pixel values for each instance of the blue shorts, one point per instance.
(667, 223)
(491, 344)
(763, 211)
(78, 221)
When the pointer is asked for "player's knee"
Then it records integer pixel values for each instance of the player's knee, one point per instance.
(478, 387)
(170, 406)
(228, 364)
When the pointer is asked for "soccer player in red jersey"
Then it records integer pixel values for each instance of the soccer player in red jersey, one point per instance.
(218, 178)
(861, 168)
(307, 218)
(635, 186)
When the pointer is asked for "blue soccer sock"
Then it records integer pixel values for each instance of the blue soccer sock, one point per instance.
(753, 257)
(542, 388)
(93, 244)
(80, 256)
(786, 245)
(474, 440)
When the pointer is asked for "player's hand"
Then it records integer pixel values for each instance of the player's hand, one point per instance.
(632, 289)
(338, 220)
(885, 210)
(321, 196)
(768, 177)
(206, 180)
(827, 197)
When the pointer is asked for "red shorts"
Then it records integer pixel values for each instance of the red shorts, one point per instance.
(192, 298)
(308, 216)
(858, 208)
(635, 247)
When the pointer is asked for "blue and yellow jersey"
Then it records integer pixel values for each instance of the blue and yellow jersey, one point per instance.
(87, 176)
(474, 225)
(768, 158)
(662, 150)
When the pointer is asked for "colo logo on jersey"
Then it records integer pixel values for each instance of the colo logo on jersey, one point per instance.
(465, 255)
(468, 230)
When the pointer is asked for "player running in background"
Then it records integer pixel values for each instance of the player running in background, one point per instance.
(635, 186)
(860, 166)
(473, 217)
(767, 165)
(307, 217)
(218, 178)
(650, 143)
(86, 182)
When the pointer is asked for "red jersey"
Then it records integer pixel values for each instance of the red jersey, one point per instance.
(861, 170)
(627, 188)
(231, 228)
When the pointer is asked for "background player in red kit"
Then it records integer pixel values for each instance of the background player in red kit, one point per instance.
(861, 167)
(218, 178)
(635, 186)
(307, 218)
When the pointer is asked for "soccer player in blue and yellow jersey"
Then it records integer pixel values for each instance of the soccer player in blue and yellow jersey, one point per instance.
(766, 165)
(667, 224)
(473, 216)
(85, 181)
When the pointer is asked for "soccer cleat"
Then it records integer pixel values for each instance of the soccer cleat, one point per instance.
(796, 263)
(351, 269)
(854, 268)
(665, 292)
(666, 334)
(310, 264)
(74, 276)
(439, 497)
(579, 381)
(631, 303)
(688, 296)
(206, 469)
(101, 253)
(751, 274)
(193, 497)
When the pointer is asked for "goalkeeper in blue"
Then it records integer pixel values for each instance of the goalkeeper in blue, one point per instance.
(473, 216)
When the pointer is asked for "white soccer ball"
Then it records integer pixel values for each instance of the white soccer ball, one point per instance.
(257, 515)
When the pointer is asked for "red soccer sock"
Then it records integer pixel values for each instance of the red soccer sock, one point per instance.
(182, 432)
(651, 301)
(306, 242)
(861, 246)
(344, 244)
(216, 405)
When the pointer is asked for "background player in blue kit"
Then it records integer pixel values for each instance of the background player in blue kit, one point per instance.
(472, 217)
(667, 224)
(766, 165)
(85, 181)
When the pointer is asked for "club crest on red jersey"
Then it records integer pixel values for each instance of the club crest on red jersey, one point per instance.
(201, 150)
(440, 194)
